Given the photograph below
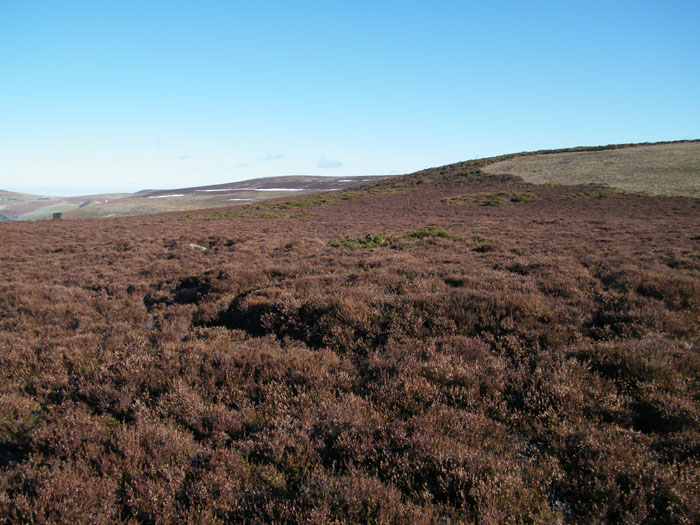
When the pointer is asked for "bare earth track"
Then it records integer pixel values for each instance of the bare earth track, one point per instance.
(449, 346)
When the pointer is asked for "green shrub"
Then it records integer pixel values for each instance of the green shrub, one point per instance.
(477, 239)
(420, 237)
(522, 197)
(432, 231)
(501, 199)
(371, 240)
(494, 199)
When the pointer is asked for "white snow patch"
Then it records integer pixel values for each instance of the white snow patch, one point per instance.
(165, 196)
(240, 199)
(270, 189)
(345, 180)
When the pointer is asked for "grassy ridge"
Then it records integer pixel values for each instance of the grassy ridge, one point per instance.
(656, 169)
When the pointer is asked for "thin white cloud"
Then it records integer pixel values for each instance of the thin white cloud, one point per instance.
(323, 162)
(270, 156)
(183, 157)
(241, 165)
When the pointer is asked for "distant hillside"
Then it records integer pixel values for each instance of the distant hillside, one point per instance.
(23, 206)
(18, 206)
(671, 169)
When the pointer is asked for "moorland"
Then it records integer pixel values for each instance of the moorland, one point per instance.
(450, 346)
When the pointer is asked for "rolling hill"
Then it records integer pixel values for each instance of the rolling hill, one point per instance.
(671, 168)
(23, 206)
(450, 346)
(15, 206)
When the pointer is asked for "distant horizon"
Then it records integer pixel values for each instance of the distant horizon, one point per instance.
(63, 191)
(58, 191)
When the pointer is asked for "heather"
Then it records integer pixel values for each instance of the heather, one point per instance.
(445, 347)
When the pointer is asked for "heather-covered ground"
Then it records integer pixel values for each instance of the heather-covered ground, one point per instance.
(439, 348)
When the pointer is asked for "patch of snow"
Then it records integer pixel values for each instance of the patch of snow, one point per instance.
(111, 215)
(240, 199)
(193, 246)
(270, 189)
(219, 189)
(165, 196)
(345, 180)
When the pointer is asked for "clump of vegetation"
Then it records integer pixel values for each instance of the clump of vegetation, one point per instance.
(371, 240)
(597, 194)
(432, 232)
(218, 215)
(501, 199)
(477, 239)
(387, 187)
(574, 196)
(256, 212)
(522, 197)
(422, 237)
(482, 244)
(492, 199)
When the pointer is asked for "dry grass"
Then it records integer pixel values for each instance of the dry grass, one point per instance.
(657, 169)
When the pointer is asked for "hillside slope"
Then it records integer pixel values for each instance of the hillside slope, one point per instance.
(449, 346)
(27, 207)
(17, 206)
(204, 197)
(657, 169)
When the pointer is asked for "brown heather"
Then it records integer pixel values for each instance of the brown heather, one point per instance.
(369, 362)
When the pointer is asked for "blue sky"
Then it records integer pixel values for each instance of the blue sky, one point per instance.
(130, 94)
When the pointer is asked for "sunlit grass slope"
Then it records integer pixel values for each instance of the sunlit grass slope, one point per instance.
(656, 169)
